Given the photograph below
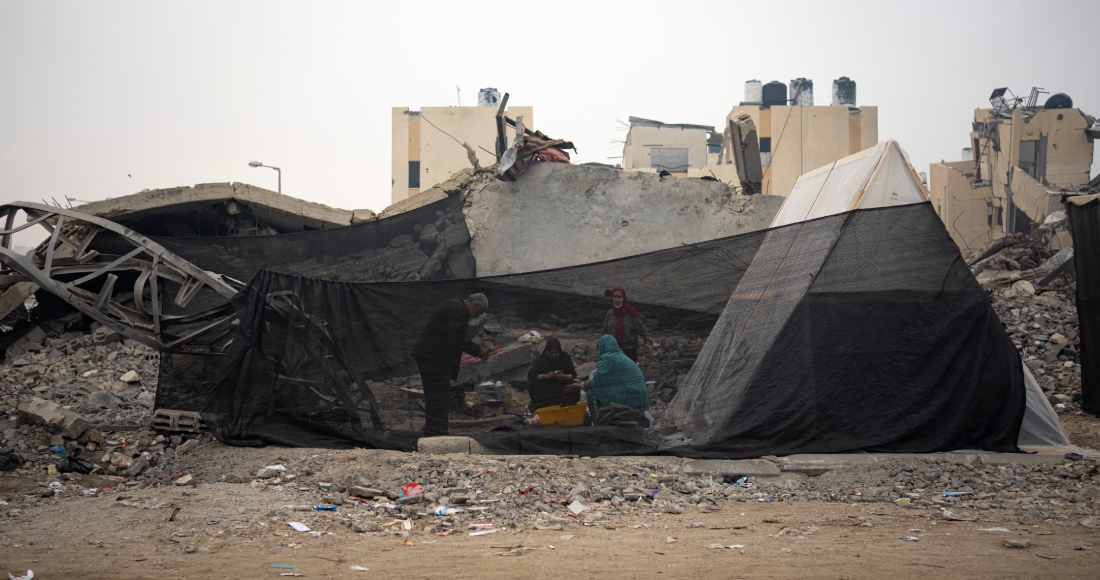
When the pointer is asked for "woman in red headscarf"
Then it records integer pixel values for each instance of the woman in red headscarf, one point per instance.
(625, 324)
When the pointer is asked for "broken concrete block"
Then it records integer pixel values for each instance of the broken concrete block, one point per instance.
(104, 335)
(102, 400)
(137, 467)
(429, 234)
(187, 446)
(52, 416)
(131, 377)
(462, 264)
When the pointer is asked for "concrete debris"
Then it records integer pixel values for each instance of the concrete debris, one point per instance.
(53, 416)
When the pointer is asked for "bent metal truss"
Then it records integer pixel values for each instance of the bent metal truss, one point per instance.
(67, 266)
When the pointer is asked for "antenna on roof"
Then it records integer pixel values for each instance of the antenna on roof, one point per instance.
(459, 95)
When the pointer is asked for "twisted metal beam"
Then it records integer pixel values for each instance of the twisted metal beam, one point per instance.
(64, 263)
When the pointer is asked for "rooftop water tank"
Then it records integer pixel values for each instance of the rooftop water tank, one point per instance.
(1059, 101)
(967, 154)
(754, 92)
(774, 94)
(488, 98)
(802, 92)
(844, 92)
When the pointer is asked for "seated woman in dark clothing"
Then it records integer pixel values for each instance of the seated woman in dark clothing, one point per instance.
(549, 375)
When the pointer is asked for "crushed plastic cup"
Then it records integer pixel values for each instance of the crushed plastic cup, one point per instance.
(445, 511)
(953, 493)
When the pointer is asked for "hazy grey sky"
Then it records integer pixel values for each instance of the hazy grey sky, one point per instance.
(179, 93)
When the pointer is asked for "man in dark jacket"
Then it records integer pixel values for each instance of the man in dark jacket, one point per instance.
(439, 352)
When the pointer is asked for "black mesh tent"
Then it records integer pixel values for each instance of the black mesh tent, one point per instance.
(858, 331)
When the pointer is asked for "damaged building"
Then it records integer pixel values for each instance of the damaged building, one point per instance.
(1023, 157)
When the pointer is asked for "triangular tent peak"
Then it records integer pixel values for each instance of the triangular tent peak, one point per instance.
(877, 177)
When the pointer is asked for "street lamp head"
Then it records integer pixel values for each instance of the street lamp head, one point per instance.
(254, 164)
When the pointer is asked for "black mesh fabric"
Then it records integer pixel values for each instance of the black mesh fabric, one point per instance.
(1084, 222)
(863, 331)
(860, 331)
(308, 348)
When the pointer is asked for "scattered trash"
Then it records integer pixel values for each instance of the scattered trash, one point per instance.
(283, 566)
(902, 501)
(175, 512)
(743, 482)
(446, 511)
(1071, 456)
(577, 507)
(909, 538)
(670, 540)
(298, 526)
(1017, 544)
(325, 508)
(954, 517)
(411, 490)
(1083, 547)
(28, 576)
(59, 450)
(953, 493)
(480, 527)
(797, 532)
(483, 532)
(766, 499)
(993, 530)
(358, 569)
(408, 542)
(278, 468)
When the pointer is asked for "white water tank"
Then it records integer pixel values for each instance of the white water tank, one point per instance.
(968, 154)
(754, 92)
(802, 92)
(488, 98)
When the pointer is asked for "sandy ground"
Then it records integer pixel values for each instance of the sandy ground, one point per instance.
(226, 531)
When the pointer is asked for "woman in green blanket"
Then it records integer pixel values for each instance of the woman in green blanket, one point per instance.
(617, 378)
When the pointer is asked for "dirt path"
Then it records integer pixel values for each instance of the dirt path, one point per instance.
(226, 531)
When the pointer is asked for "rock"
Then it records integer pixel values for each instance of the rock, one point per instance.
(366, 526)
(429, 234)
(130, 377)
(365, 492)
(265, 473)
(1017, 544)
(1090, 523)
(52, 416)
(185, 479)
(1057, 339)
(102, 400)
(187, 446)
(138, 467)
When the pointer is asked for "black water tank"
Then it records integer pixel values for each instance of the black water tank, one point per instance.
(1056, 101)
(844, 92)
(775, 94)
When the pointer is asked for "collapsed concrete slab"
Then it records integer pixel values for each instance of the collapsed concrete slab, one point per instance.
(220, 209)
(558, 215)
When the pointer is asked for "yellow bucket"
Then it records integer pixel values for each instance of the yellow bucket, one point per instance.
(558, 416)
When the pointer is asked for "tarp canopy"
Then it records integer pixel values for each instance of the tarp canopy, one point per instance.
(877, 177)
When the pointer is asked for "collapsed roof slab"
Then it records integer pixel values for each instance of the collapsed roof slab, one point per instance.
(558, 215)
(281, 212)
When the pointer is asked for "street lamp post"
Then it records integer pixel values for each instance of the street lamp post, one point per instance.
(279, 171)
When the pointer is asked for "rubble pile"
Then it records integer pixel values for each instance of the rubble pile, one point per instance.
(1030, 280)
(418, 494)
(63, 377)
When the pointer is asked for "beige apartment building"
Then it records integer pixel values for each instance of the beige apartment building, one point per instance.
(795, 136)
(427, 144)
(1022, 157)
